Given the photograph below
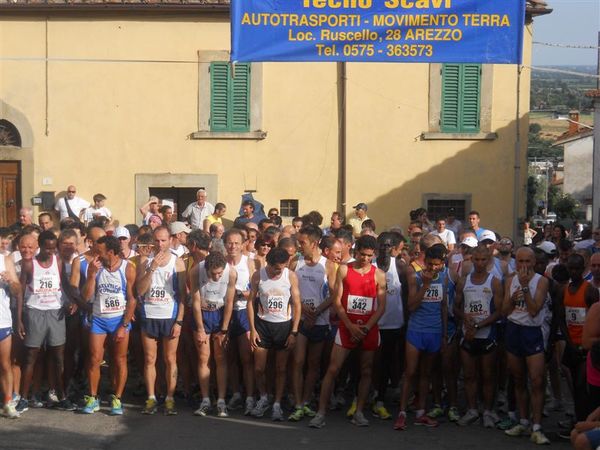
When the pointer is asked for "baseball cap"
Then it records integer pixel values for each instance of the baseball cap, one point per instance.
(487, 235)
(179, 227)
(122, 232)
(469, 241)
(153, 199)
(547, 247)
(361, 206)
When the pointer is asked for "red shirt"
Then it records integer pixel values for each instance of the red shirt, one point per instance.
(359, 298)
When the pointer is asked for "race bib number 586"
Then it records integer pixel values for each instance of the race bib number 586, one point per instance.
(359, 305)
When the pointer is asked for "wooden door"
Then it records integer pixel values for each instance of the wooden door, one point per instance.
(10, 195)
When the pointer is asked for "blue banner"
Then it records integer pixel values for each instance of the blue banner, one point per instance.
(459, 31)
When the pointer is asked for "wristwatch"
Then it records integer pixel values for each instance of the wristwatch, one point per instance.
(294, 333)
(125, 324)
(476, 326)
(179, 322)
(224, 331)
(525, 289)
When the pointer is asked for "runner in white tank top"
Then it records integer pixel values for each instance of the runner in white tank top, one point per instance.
(44, 292)
(44, 317)
(240, 349)
(109, 284)
(161, 285)
(212, 290)
(524, 305)
(315, 275)
(478, 303)
(275, 289)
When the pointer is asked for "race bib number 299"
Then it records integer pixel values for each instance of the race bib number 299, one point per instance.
(359, 305)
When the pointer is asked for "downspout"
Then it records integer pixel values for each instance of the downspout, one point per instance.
(517, 180)
(341, 74)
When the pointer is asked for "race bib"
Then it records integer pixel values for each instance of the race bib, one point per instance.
(311, 302)
(475, 308)
(158, 295)
(575, 316)
(112, 304)
(359, 305)
(275, 304)
(434, 293)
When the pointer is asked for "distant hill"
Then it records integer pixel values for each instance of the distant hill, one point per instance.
(562, 91)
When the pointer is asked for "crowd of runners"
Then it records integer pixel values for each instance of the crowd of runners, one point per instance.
(297, 320)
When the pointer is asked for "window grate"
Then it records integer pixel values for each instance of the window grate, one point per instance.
(439, 208)
(288, 208)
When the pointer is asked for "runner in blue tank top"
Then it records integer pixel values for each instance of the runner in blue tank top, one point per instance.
(427, 328)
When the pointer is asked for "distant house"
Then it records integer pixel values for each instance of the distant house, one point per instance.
(578, 143)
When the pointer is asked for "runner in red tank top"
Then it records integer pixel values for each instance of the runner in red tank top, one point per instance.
(359, 299)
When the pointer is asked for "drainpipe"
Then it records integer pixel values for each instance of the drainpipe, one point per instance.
(517, 180)
(341, 75)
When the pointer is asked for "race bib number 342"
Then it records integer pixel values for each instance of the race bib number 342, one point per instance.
(359, 305)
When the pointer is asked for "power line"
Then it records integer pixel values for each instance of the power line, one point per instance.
(568, 72)
(551, 44)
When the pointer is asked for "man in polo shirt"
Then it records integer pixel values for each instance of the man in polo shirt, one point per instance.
(70, 205)
(196, 212)
(361, 215)
(179, 232)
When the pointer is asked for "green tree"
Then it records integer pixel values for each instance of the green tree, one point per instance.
(565, 207)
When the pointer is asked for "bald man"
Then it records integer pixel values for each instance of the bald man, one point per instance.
(70, 205)
(524, 295)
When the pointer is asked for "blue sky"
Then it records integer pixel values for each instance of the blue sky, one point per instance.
(574, 22)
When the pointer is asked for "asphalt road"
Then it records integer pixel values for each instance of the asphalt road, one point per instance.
(50, 429)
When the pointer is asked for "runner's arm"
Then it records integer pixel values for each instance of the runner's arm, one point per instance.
(296, 303)
(497, 299)
(131, 300)
(381, 286)
(229, 297)
(195, 294)
(181, 288)
(251, 299)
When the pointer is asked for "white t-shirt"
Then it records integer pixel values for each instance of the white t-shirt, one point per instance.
(77, 204)
(90, 212)
(447, 236)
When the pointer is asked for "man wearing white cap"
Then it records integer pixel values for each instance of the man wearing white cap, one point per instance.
(179, 232)
(360, 210)
(549, 249)
(124, 237)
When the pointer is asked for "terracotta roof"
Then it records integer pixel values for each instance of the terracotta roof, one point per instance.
(581, 133)
(594, 94)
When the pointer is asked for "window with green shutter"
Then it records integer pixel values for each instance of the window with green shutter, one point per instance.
(461, 91)
(229, 97)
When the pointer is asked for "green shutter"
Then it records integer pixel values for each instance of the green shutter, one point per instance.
(461, 86)
(240, 98)
(469, 111)
(450, 98)
(229, 97)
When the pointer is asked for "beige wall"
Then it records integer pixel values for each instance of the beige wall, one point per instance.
(108, 121)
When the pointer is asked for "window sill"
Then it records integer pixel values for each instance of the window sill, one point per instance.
(255, 135)
(436, 135)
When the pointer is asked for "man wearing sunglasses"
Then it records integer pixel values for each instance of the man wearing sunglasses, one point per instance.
(70, 205)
